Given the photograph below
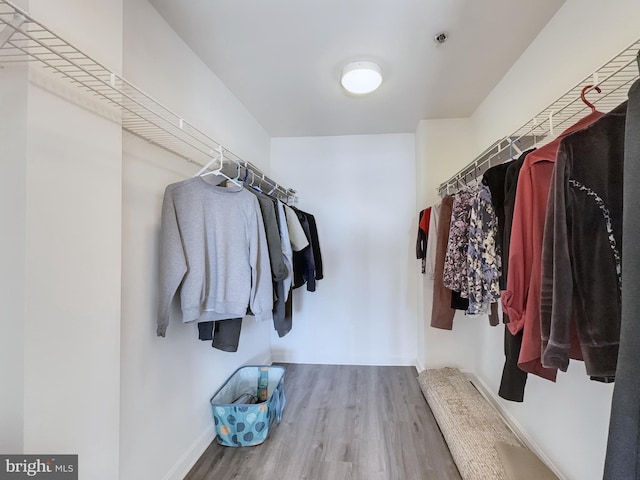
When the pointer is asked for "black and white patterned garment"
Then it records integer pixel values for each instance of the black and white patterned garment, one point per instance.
(455, 261)
(483, 263)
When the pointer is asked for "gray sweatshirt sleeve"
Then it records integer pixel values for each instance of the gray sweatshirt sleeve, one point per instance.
(261, 300)
(173, 265)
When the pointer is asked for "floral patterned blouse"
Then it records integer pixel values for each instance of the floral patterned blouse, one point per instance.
(455, 261)
(483, 263)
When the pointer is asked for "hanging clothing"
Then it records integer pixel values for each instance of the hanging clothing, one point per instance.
(213, 253)
(521, 300)
(299, 240)
(282, 319)
(494, 178)
(279, 269)
(623, 447)
(224, 333)
(483, 260)
(441, 312)
(458, 302)
(432, 239)
(513, 380)
(278, 264)
(510, 190)
(315, 245)
(581, 257)
(285, 245)
(455, 263)
(304, 268)
(423, 235)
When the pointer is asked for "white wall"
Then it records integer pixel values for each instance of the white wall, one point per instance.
(85, 371)
(581, 37)
(166, 420)
(82, 212)
(443, 143)
(71, 174)
(361, 190)
(567, 421)
(13, 144)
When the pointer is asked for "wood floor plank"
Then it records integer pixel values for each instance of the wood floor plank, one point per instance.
(341, 422)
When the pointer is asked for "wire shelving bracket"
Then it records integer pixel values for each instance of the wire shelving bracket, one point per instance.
(25, 40)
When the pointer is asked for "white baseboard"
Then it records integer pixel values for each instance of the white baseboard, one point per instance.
(512, 423)
(195, 451)
(391, 361)
(191, 456)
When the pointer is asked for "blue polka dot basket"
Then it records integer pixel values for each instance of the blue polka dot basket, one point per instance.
(245, 407)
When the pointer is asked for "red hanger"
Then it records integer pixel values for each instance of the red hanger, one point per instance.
(587, 102)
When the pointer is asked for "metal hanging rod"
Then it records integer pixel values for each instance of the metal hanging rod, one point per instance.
(613, 78)
(24, 40)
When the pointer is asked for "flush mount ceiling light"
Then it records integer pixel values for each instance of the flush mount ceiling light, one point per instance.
(361, 77)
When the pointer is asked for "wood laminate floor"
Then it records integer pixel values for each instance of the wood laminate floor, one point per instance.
(341, 423)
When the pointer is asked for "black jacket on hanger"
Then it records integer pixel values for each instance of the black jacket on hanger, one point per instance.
(307, 263)
(514, 380)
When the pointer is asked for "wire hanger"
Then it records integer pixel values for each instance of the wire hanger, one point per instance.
(587, 102)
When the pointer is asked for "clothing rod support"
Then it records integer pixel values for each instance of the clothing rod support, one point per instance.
(24, 39)
(10, 29)
(614, 78)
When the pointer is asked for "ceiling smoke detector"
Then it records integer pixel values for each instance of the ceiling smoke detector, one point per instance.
(441, 38)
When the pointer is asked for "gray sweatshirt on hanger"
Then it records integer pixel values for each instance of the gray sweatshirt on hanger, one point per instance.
(213, 253)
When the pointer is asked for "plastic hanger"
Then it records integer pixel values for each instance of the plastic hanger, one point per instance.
(218, 171)
(253, 179)
(513, 148)
(237, 179)
(587, 102)
(207, 166)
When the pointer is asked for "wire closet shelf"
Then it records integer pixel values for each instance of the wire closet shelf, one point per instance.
(23, 39)
(613, 79)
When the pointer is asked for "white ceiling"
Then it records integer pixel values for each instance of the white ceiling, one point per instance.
(282, 58)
